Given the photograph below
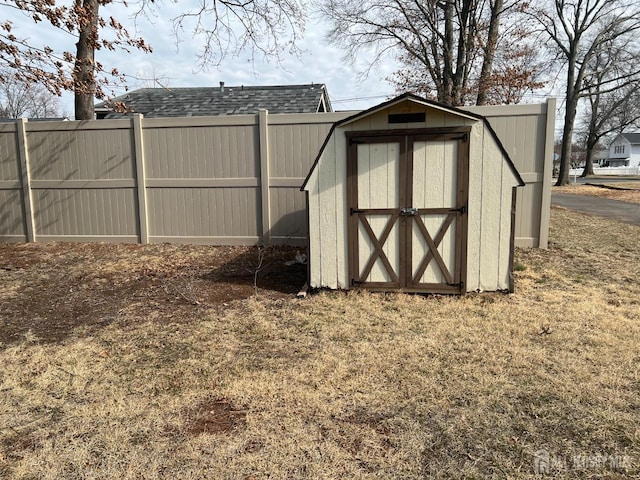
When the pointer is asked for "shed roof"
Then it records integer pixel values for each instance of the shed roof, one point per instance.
(222, 100)
(423, 101)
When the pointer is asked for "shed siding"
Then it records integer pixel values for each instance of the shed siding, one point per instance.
(490, 224)
(490, 188)
(504, 266)
(474, 219)
(342, 246)
(380, 120)
(327, 196)
(327, 225)
(315, 247)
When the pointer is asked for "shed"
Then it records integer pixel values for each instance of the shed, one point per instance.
(414, 196)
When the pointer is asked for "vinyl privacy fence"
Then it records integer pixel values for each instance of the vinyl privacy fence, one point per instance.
(212, 180)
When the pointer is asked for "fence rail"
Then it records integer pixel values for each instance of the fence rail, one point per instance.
(213, 180)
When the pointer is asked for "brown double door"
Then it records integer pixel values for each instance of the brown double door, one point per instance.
(407, 199)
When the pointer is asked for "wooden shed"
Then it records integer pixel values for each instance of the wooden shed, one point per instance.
(415, 196)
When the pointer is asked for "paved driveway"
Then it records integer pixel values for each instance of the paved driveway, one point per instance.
(623, 211)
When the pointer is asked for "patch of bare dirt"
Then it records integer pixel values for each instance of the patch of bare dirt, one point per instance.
(51, 291)
(217, 416)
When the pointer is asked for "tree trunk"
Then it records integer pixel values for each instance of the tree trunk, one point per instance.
(466, 38)
(447, 68)
(489, 52)
(588, 166)
(572, 97)
(592, 133)
(592, 141)
(590, 145)
(84, 69)
(567, 138)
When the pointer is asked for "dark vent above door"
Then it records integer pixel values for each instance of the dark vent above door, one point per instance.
(407, 117)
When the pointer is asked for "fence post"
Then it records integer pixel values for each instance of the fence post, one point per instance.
(27, 198)
(263, 120)
(141, 183)
(547, 174)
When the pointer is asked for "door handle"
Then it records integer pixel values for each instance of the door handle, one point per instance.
(407, 212)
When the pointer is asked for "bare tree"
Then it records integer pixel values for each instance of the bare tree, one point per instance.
(153, 77)
(493, 35)
(577, 31)
(227, 28)
(448, 47)
(18, 100)
(611, 107)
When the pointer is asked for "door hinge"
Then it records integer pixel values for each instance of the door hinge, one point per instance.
(355, 283)
(353, 211)
(460, 285)
(462, 209)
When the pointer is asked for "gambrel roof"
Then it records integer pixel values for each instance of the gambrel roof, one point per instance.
(422, 101)
(222, 100)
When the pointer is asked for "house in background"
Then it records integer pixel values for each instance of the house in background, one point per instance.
(215, 101)
(600, 156)
(624, 151)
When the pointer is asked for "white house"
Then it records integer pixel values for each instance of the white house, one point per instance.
(624, 151)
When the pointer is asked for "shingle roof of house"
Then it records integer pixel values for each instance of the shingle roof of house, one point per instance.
(633, 138)
(223, 100)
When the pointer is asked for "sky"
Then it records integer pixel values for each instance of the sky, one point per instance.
(175, 63)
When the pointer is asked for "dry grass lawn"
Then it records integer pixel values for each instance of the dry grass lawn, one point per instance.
(631, 195)
(348, 385)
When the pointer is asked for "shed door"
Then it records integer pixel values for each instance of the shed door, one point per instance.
(407, 210)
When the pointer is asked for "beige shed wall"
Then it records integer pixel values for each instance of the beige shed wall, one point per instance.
(489, 217)
(491, 183)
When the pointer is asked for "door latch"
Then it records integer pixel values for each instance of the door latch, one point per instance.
(407, 212)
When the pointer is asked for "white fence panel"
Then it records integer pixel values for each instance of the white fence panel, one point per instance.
(576, 172)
